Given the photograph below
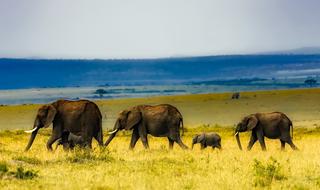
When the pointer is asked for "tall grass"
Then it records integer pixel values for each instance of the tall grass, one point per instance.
(116, 167)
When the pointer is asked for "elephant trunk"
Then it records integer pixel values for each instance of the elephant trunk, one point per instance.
(32, 137)
(194, 141)
(238, 140)
(110, 138)
(113, 133)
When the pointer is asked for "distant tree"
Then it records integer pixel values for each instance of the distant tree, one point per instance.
(310, 82)
(101, 92)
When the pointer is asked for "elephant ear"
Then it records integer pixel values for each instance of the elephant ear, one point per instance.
(133, 118)
(51, 113)
(252, 122)
(201, 138)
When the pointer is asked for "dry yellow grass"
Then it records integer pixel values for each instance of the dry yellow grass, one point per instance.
(158, 168)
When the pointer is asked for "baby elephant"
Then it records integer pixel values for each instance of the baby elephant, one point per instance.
(207, 139)
(70, 140)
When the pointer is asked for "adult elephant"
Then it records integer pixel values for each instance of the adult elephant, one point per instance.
(275, 125)
(82, 118)
(160, 121)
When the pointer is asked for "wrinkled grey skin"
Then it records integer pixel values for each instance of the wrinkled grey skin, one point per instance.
(82, 118)
(70, 140)
(275, 125)
(159, 121)
(207, 139)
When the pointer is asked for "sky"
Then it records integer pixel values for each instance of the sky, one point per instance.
(112, 29)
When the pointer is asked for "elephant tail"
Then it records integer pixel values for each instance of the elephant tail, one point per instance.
(179, 115)
(291, 130)
(290, 123)
(99, 135)
(291, 127)
(182, 126)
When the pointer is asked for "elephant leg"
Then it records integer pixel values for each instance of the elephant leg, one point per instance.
(51, 140)
(180, 143)
(56, 134)
(174, 134)
(64, 141)
(253, 139)
(292, 145)
(170, 143)
(203, 146)
(66, 147)
(283, 144)
(89, 143)
(260, 137)
(134, 138)
(144, 138)
(99, 138)
(219, 146)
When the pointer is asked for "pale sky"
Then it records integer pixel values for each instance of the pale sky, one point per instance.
(148, 28)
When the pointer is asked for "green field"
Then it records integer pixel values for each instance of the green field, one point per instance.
(158, 168)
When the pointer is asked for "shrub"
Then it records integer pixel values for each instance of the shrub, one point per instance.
(3, 167)
(266, 173)
(101, 92)
(84, 155)
(22, 174)
(310, 82)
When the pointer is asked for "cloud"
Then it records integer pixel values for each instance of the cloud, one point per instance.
(159, 28)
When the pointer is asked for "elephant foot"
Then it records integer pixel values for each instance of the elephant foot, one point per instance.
(49, 148)
(184, 147)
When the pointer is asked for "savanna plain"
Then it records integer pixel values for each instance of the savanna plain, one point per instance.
(116, 167)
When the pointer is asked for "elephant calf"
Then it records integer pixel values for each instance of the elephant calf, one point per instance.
(207, 139)
(70, 140)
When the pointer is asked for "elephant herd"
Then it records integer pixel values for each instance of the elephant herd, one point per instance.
(76, 123)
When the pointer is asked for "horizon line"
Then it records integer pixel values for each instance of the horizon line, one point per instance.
(162, 58)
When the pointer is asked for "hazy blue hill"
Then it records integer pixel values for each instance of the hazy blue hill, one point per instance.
(27, 73)
(298, 51)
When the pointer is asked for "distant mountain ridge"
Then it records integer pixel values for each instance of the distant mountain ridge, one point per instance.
(297, 51)
(40, 73)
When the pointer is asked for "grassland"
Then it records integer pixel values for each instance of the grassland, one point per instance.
(158, 168)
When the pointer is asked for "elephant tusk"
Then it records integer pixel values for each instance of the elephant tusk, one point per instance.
(236, 133)
(32, 130)
(113, 131)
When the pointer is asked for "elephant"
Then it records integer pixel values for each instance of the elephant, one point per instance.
(70, 140)
(81, 117)
(235, 95)
(207, 139)
(274, 125)
(162, 120)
